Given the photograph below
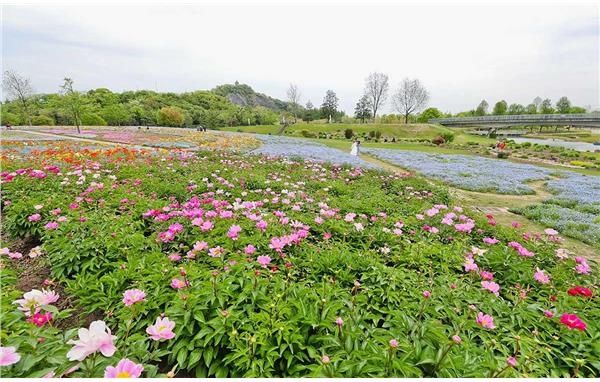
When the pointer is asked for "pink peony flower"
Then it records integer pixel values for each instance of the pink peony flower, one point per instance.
(426, 294)
(548, 313)
(261, 225)
(161, 330)
(124, 369)
(250, 249)
(550, 232)
(233, 232)
(572, 322)
(490, 240)
(97, 338)
(511, 361)
(216, 251)
(34, 218)
(178, 284)
(40, 319)
(339, 321)
(485, 321)
(206, 226)
(486, 275)
(9, 356)
(325, 359)
(456, 338)
(541, 277)
(470, 265)
(33, 300)
(393, 343)
(264, 261)
(491, 286)
(51, 226)
(131, 296)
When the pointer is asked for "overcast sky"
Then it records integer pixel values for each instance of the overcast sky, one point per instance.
(462, 54)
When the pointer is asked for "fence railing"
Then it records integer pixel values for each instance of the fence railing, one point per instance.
(521, 118)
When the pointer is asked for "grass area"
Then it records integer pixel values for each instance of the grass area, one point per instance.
(409, 131)
(413, 146)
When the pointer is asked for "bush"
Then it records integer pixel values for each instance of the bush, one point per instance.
(11, 118)
(348, 133)
(448, 137)
(42, 120)
(307, 134)
(92, 119)
(170, 116)
(503, 155)
(438, 140)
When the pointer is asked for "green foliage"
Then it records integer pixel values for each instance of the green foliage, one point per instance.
(92, 119)
(500, 108)
(546, 107)
(563, 105)
(11, 118)
(236, 318)
(429, 113)
(42, 120)
(348, 133)
(170, 116)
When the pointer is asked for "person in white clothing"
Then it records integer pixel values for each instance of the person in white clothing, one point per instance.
(355, 148)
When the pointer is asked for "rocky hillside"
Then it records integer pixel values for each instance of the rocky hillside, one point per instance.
(244, 95)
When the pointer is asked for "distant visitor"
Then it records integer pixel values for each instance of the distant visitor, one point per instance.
(355, 148)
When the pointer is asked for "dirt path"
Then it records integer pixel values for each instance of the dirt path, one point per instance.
(496, 204)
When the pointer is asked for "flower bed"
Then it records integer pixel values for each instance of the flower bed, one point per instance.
(229, 265)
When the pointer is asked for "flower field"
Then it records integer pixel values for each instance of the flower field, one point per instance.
(125, 262)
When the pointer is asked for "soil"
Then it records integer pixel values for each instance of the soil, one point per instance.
(32, 275)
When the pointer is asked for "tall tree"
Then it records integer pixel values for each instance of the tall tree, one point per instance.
(546, 107)
(563, 105)
(363, 107)
(531, 109)
(72, 102)
(516, 108)
(19, 88)
(410, 97)
(376, 90)
(482, 108)
(330, 105)
(500, 108)
(293, 95)
(537, 101)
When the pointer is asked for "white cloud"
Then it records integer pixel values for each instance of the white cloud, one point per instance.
(461, 53)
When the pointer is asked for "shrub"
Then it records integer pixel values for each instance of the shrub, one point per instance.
(503, 154)
(11, 118)
(448, 137)
(170, 116)
(348, 133)
(307, 134)
(42, 120)
(92, 119)
(438, 140)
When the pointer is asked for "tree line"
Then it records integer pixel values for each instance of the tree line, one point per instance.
(98, 107)
(214, 109)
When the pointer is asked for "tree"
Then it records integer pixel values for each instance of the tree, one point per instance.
(330, 105)
(500, 108)
(170, 116)
(294, 96)
(563, 105)
(482, 108)
(116, 115)
(429, 113)
(410, 97)
(577, 110)
(362, 110)
(546, 107)
(531, 109)
(516, 108)
(537, 101)
(19, 88)
(376, 90)
(72, 102)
